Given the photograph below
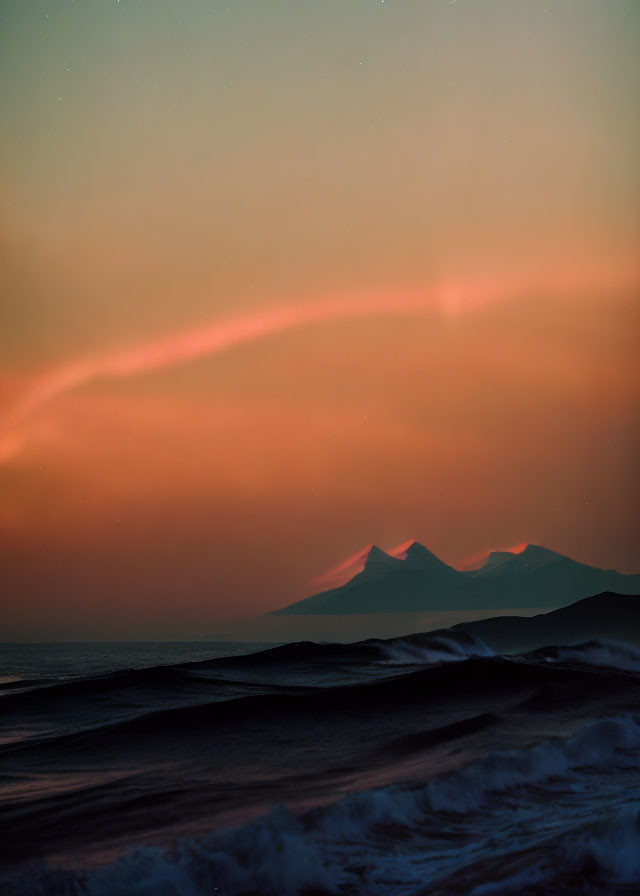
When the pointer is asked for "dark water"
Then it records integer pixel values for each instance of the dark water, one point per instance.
(78, 659)
(420, 765)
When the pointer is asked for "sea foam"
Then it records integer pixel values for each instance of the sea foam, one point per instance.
(338, 848)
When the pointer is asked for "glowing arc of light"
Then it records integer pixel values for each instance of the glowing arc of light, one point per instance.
(215, 337)
(451, 297)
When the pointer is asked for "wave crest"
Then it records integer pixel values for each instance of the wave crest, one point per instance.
(611, 654)
(428, 649)
(608, 855)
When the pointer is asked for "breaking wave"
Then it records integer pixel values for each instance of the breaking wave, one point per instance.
(345, 847)
(595, 653)
(603, 855)
(431, 649)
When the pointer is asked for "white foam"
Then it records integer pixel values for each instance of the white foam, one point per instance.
(599, 653)
(609, 855)
(439, 649)
(343, 846)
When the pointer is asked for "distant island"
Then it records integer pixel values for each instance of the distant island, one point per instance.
(412, 579)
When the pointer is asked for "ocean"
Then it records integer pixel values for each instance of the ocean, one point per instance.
(76, 659)
(417, 765)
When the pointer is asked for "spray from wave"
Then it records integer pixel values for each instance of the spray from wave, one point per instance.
(595, 653)
(432, 649)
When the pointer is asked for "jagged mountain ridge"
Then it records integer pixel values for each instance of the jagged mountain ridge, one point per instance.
(412, 579)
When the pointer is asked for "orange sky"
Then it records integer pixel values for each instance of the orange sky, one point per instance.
(283, 279)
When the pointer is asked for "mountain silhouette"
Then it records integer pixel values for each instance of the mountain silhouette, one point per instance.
(412, 579)
(604, 616)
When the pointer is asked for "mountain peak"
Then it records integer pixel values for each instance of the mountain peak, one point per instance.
(527, 555)
(375, 555)
(415, 554)
(369, 558)
(534, 555)
(411, 546)
(538, 551)
(400, 551)
(498, 558)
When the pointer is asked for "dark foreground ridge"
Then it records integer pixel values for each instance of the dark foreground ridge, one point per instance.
(536, 577)
(604, 616)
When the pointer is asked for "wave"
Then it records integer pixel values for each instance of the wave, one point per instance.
(423, 648)
(302, 668)
(611, 654)
(603, 743)
(343, 845)
(615, 852)
(15, 682)
(422, 740)
(426, 649)
(605, 855)
(481, 680)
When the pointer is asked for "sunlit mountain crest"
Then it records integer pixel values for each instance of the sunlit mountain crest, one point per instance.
(529, 556)
(411, 552)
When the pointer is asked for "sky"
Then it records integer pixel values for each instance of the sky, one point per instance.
(280, 279)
